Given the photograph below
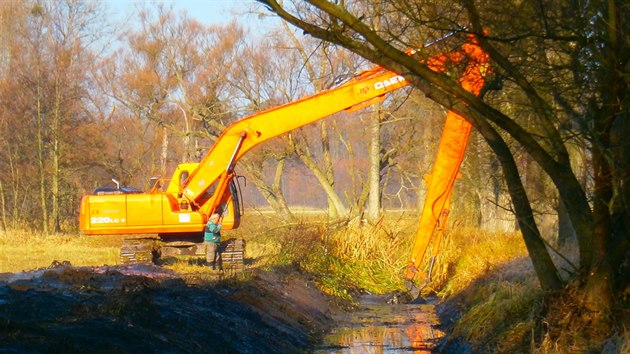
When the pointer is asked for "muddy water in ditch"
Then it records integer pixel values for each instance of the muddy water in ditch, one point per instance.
(379, 327)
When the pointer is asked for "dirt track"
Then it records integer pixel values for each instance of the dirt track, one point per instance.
(146, 309)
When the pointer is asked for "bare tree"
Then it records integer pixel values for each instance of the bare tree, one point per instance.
(563, 64)
(49, 56)
(172, 76)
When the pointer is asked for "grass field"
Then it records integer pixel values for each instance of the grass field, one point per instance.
(23, 250)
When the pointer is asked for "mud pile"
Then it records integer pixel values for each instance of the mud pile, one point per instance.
(144, 308)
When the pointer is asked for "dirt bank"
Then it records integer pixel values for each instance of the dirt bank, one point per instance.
(144, 308)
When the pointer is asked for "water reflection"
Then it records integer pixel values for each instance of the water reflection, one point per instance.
(379, 327)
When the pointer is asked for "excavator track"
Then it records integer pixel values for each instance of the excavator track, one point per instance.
(233, 255)
(139, 250)
(150, 249)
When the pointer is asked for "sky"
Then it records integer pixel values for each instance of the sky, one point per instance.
(210, 12)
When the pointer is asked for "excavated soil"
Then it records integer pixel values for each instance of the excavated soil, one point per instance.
(148, 309)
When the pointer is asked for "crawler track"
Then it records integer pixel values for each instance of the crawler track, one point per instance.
(149, 250)
(233, 255)
(139, 250)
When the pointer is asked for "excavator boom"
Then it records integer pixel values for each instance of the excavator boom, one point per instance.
(240, 137)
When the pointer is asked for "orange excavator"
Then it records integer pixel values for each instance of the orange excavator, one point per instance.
(197, 190)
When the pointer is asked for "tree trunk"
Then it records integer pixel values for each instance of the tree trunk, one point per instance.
(333, 211)
(54, 188)
(333, 197)
(3, 206)
(543, 265)
(373, 209)
(164, 154)
(15, 182)
(272, 193)
(358, 202)
(326, 173)
(188, 153)
(40, 160)
(599, 295)
(335, 201)
(599, 289)
(619, 245)
(56, 156)
(277, 191)
(565, 228)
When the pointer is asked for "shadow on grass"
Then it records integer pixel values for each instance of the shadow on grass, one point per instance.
(494, 311)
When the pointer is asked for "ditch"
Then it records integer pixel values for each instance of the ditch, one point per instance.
(378, 326)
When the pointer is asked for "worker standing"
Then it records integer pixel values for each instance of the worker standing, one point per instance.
(212, 238)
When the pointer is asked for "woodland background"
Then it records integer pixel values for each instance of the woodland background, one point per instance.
(85, 99)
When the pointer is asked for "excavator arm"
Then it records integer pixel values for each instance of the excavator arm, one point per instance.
(448, 160)
(242, 136)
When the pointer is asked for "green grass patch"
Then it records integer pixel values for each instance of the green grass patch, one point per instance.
(344, 258)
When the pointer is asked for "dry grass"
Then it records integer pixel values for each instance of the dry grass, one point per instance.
(504, 319)
(492, 276)
(469, 254)
(375, 255)
(23, 250)
(617, 343)
(490, 273)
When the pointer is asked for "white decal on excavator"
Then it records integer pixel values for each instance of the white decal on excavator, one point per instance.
(385, 83)
(106, 220)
